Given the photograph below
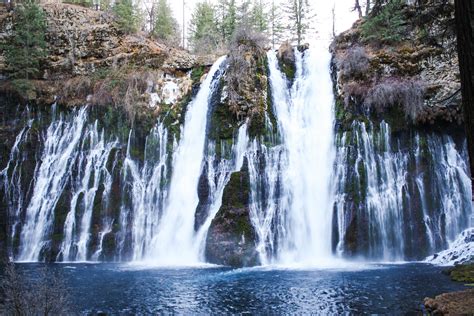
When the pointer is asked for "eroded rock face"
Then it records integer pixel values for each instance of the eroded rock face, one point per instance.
(426, 56)
(85, 47)
(231, 238)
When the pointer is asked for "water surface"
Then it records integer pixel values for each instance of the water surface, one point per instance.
(131, 289)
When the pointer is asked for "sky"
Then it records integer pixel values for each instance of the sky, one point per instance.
(323, 9)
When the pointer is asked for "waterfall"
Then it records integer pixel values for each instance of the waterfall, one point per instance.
(148, 190)
(291, 197)
(11, 179)
(92, 172)
(74, 155)
(405, 203)
(173, 242)
(218, 175)
(60, 149)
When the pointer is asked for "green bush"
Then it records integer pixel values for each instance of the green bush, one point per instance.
(386, 26)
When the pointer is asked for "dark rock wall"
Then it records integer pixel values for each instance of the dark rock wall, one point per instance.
(231, 239)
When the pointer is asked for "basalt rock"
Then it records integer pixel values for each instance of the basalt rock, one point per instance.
(231, 239)
(286, 60)
(456, 303)
(426, 56)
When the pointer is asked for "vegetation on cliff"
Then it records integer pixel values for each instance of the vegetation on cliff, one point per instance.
(26, 48)
(399, 64)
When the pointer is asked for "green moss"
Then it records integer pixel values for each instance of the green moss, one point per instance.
(289, 69)
(243, 226)
(396, 118)
(363, 180)
(462, 273)
(236, 191)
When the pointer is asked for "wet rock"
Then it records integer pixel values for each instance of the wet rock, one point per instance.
(231, 239)
(286, 60)
(456, 303)
(303, 47)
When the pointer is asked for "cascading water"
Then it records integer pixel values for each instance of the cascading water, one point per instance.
(404, 204)
(393, 196)
(174, 240)
(92, 172)
(219, 171)
(291, 198)
(74, 155)
(148, 190)
(61, 144)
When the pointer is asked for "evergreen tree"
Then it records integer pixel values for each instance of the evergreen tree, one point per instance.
(27, 46)
(226, 18)
(127, 16)
(203, 30)
(259, 16)
(276, 26)
(300, 15)
(166, 26)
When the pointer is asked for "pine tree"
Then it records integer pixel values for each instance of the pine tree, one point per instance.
(166, 26)
(276, 26)
(203, 30)
(27, 46)
(226, 19)
(300, 14)
(127, 16)
(259, 16)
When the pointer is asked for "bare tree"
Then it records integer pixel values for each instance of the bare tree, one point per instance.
(357, 8)
(48, 295)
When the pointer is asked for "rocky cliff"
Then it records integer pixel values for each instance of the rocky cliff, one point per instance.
(417, 73)
(89, 60)
(403, 71)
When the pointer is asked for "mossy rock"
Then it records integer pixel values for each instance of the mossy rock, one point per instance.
(231, 239)
(462, 273)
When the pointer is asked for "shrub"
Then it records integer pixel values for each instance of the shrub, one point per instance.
(48, 295)
(387, 25)
(354, 63)
(408, 94)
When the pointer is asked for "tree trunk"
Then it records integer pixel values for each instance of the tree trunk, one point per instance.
(465, 32)
(358, 8)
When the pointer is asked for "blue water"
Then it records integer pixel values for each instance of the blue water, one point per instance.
(128, 289)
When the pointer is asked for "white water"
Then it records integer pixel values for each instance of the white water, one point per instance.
(218, 177)
(11, 179)
(92, 172)
(293, 215)
(61, 142)
(410, 201)
(173, 243)
(148, 190)
(460, 251)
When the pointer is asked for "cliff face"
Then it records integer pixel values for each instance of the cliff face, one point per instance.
(418, 73)
(397, 102)
(86, 52)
